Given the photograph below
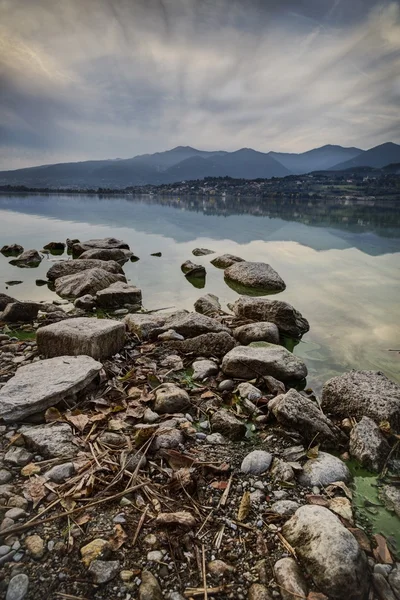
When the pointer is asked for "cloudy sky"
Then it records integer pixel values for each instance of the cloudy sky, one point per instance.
(84, 79)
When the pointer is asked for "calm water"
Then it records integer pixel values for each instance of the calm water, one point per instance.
(340, 263)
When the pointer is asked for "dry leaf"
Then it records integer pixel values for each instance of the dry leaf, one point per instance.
(182, 519)
(207, 395)
(30, 469)
(332, 488)
(118, 539)
(34, 490)
(219, 485)
(135, 412)
(313, 452)
(68, 503)
(342, 507)
(52, 414)
(261, 545)
(83, 519)
(156, 504)
(177, 460)
(143, 434)
(79, 421)
(316, 499)
(116, 425)
(244, 508)
(381, 552)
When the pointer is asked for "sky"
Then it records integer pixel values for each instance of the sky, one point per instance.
(92, 79)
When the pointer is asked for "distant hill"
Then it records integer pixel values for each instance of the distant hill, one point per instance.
(378, 157)
(185, 163)
(317, 159)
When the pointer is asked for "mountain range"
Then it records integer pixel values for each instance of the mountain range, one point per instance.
(184, 163)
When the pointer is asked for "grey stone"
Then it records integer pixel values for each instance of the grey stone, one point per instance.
(285, 508)
(42, 384)
(226, 423)
(17, 456)
(18, 587)
(103, 571)
(281, 470)
(107, 243)
(169, 336)
(72, 267)
(55, 246)
(118, 294)
(368, 445)
(86, 302)
(207, 344)
(226, 385)
(28, 258)
(98, 338)
(202, 252)
(257, 332)
(134, 459)
(216, 439)
(193, 324)
(323, 470)
(5, 476)
(226, 260)
(202, 369)
(59, 473)
(149, 588)
(15, 514)
(255, 275)
(145, 325)
(12, 249)
(167, 438)
(383, 569)
(329, 552)
(89, 281)
(292, 584)
(51, 440)
(4, 550)
(258, 591)
(4, 300)
(391, 496)
(295, 411)
(20, 311)
(363, 393)
(249, 391)
(288, 320)
(248, 362)
(170, 398)
(256, 462)
(394, 580)
(105, 254)
(382, 587)
(208, 305)
(192, 270)
(150, 416)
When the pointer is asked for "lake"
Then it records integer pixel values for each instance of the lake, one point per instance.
(340, 261)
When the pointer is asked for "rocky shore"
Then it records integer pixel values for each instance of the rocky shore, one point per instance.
(150, 455)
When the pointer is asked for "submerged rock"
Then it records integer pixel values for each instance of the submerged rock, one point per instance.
(207, 344)
(12, 250)
(228, 425)
(329, 552)
(192, 270)
(118, 294)
(208, 305)
(55, 246)
(257, 332)
(368, 445)
(98, 338)
(255, 275)
(89, 281)
(323, 470)
(71, 267)
(288, 320)
(247, 362)
(29, 258)
(226, 260)
(42, 384)
(363, 393)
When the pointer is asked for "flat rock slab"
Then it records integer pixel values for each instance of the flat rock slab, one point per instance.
(51, 440)
(88, 281)
(71, 267)
(118, 294)
(248, 362)
(288, 320)
(42, 384)
(363, 393)
(148, 325)
(255, 275)
(93, 337)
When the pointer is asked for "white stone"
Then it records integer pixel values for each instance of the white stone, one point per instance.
(256, 462)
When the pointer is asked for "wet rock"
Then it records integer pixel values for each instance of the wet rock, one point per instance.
(103, 571)
(202, 369)
(149, 589)
(281, 470)
(285, 508)
(228, 425)
(256, 462)
(96, 549)
(257, 332)
(89, 281)
(86, 302)
(323, 470)
(208, 305)
(12, 250)
(42, 384)
(363, 393)
(207, 344)
(295, 411)
(226, 260)
(255, 275)
(72, 267)
(20, 311)
(105, 254)
(35, 546)
(171, 399)
(288, 320)
(59, 473)
(98, 338)
(382, 587)
(118, 294)
(248, 362)
(329, 552)
(18, 587)
(4, 300)
(105, 243)
(368, 445)
(292, 584)
(249, 391)
(258, 591)
(391, 496)
(193, 324)
(202, 252)
(51, 440)
(55, 246)
(29, 258)
(192, 270)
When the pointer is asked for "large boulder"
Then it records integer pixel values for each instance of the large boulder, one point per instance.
(323, 470)
(254, 275)
(71, 267)
(363, 393)
(116, 254)
(247, 362)
(192, 324)
(107, 243)
(288, 320)
(86, 282)
(97, 338)
(295, 411)
(207, 344)
(208, 305)
(29, 258)
(329, 552)
(226, 260)
(257, 332)
(42, 384)
(20, 311)
(4, 300)
(118, 294)
(368, 445)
